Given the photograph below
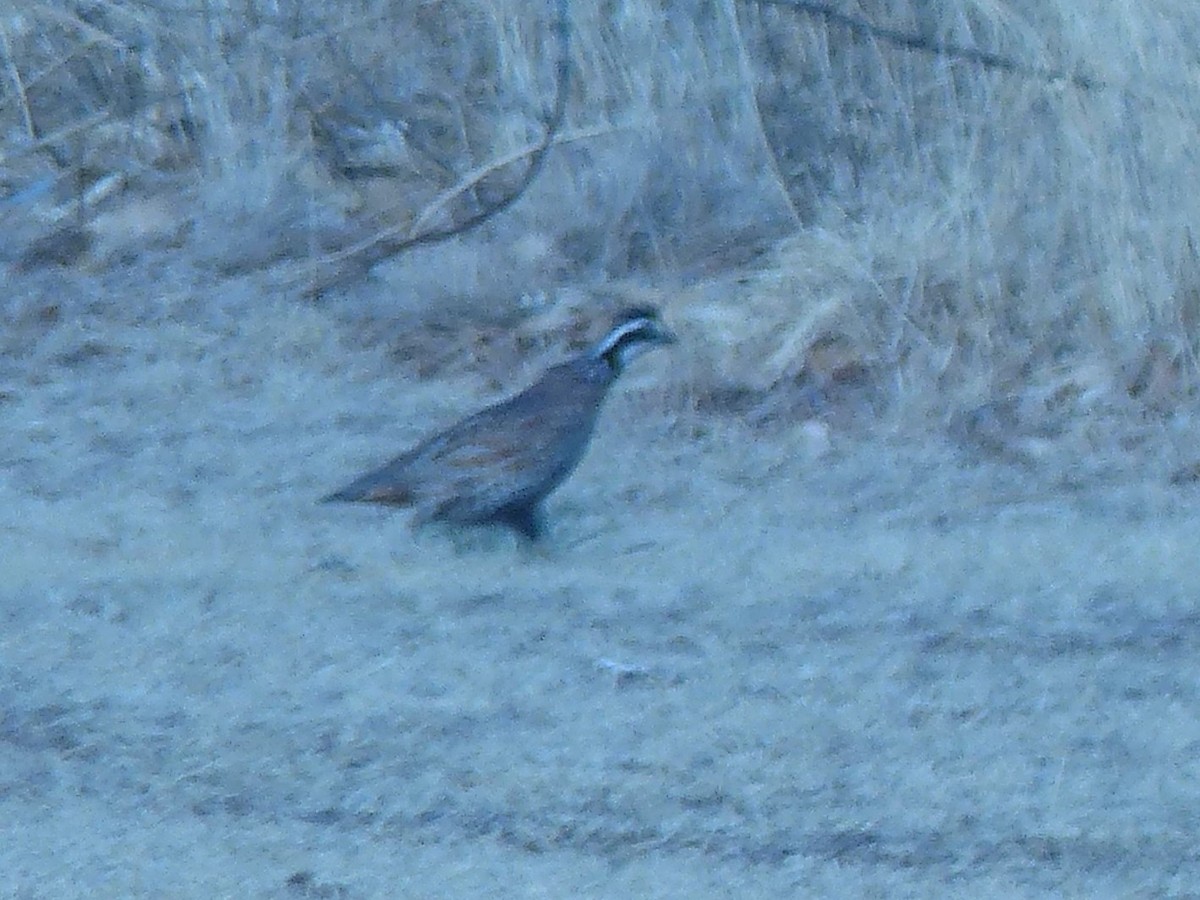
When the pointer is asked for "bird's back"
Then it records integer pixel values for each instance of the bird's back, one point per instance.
(507, 456)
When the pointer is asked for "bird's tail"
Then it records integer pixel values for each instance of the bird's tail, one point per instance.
(376, 487)
(345, 495)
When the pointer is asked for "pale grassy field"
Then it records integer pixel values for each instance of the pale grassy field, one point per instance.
(882, 583)
(745, 665)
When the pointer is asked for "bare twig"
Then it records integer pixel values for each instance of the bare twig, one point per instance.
(47, 142)
(469, 181)
(361, 257)
(18, 85)
(922, 44)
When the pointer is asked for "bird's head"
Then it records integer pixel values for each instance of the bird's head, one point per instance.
(633, 332)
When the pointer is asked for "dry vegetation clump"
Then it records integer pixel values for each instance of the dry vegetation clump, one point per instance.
(979, 210)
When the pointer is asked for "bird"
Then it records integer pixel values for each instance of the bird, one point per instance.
(497, 466)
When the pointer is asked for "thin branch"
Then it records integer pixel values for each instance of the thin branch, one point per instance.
(381, 247)
(920, 44)
(464, 185)
(18, 85)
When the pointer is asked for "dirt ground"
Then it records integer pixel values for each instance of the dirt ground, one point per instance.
(744, 665)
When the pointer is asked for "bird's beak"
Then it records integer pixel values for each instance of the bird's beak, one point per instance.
(663, 336)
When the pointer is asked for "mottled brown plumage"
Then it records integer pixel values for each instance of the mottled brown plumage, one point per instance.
(499, 464)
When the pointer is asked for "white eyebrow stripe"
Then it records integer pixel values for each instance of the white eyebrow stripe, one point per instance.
(619, 334)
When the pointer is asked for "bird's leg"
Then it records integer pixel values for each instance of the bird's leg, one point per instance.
(525, 520)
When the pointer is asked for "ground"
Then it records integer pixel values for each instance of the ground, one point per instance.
(748, 662)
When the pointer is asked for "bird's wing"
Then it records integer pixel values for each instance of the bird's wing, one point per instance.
(509, 455)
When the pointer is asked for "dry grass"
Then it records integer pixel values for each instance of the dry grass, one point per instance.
(733, 672)
(759, 657)
(966, 235)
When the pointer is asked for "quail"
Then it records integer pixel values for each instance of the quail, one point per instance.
(498, 465)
